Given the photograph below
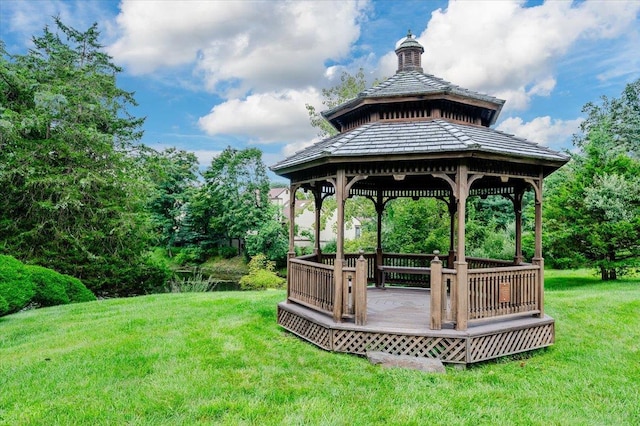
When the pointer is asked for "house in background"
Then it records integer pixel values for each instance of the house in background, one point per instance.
(305, 218)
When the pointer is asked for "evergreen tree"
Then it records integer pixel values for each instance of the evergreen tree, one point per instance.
(72, 198)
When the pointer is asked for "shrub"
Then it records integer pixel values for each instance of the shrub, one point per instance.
(148, 276)
(188, 255)
(49, 286)
(16, 288)
(261, 280)
(261, 275)
(272, 239)
(76, 291)
(228, 252)
(4, 306)
(53, 288)
(303, 251)
(330, 247)
(23, 284)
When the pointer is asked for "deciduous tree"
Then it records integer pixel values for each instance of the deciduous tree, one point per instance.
(236, 191)
(593, 205)
(349, 87)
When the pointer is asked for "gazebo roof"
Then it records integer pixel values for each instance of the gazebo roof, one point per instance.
(414, 116)
(415, 83)
(431, 138)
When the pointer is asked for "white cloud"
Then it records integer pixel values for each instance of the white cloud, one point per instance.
(261, 57)
(255, 45)
(294, 147)
(505, 48)
(543, 130)
(264, 117)
(519, 97)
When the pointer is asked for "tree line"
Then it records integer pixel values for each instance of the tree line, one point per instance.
(81, 195)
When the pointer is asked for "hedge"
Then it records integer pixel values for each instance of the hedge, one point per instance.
(22, 284)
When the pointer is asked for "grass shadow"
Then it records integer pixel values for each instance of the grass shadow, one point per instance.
(570, 282)
(513, 358)
(576, 279)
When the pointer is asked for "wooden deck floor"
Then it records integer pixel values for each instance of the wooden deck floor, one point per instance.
(405, 309)
(400, 317)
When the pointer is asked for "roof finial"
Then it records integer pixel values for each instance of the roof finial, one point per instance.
(409, 35)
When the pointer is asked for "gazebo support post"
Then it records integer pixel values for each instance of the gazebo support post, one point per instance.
(340, 186)
(517, 209)
(292, 226)
(462, 293)
(452, 231)
(379, 204)
(436, 293)
(360, 290)
(317, 198)
(537, 258)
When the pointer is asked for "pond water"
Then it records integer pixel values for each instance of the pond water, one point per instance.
(206, 280)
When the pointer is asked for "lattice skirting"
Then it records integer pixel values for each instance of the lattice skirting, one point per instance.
(308, 330)
(511, 342)
(461, 350)
(359, 342)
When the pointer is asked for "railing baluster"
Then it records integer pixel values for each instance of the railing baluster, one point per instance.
(485, 291)
(312, 284)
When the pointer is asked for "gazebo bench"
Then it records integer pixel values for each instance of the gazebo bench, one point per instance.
(414, 270)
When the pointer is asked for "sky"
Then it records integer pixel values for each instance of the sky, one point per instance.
(213, 74)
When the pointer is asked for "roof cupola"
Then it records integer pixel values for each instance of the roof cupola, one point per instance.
(409, 54)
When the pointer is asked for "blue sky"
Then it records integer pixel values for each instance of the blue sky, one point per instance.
(209, 74)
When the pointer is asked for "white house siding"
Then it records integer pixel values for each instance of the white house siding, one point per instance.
(305, 218)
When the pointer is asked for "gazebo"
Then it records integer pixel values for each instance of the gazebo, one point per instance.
(416, 135)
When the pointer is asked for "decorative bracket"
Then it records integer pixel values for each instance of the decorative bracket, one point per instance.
(472, 179)
(452, 183)
(349, 185)
(447, 179)
(537, 187)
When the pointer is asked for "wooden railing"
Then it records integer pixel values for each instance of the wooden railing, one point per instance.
(350, 260)
(310, 257)
(480, 263)
(407, 260)
(390, 259)
(493, 292)
(311, 284)
(500, 292)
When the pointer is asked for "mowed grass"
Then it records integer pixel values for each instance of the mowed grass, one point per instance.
(220, 358)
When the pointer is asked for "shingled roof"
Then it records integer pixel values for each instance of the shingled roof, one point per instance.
(415, 83)
(419, 138)
(417, 116)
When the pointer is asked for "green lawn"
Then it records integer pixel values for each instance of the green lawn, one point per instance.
(220, 358)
